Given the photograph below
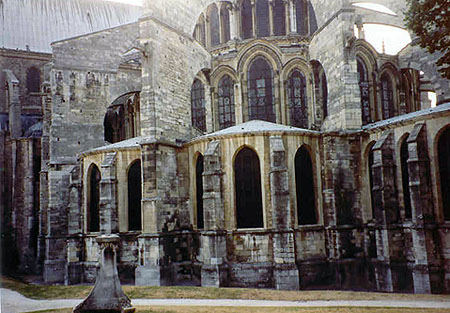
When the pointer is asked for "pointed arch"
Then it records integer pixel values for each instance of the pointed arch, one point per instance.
(304, 186)
(93, 197)
(214, 25)
(134, 196)
(247, 180)
(261, 93)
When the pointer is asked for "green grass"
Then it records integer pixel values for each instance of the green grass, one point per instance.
(136, 292)
(195, 309)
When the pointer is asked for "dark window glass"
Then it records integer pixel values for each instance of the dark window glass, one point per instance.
(214, 25)
(260, 92)
(134, 197)
(364, 90)
(225, 14)
(297, 100)
(405, 178)
(199, 187)
(248, 190)
(387, 97)
(262, 18)
(226, 102)
(304, 182)
(198, 105)
(246, 20)
(122, 118)
(93, 221)
(312, 19)
(33, 80)
(372, 202)
(279, 18)
(300, 13)
(444, 171)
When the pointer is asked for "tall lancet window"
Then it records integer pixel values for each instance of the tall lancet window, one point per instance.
(297, 100)
(226, 102)
(261, 92)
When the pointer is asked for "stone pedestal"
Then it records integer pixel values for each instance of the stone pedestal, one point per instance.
(107, 295)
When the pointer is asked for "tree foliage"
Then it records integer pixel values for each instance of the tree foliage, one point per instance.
(430, 21)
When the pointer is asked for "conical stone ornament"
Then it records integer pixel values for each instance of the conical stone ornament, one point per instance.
(107, 295)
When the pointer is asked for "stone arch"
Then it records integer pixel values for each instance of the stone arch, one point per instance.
(122, 118)
(248, 194)
(134, 181)
(262, 48)
(212, 13)
(389, 81)
(442, 152)
(93, 199)
(305, 187)
(221, 71)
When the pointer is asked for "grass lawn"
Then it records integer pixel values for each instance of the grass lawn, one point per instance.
(135, 292)
(191, 309)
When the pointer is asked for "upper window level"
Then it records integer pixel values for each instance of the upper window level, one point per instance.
(224, 21)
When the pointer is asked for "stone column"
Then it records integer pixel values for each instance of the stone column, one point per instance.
(107, 294)
(235, 24)
(148, 272)
(286, 274)
(213, 252)
(386, 210)
(254, 18)
(109, 222)
(292, 20)
(13, 104)
(427, 277)
(271, 27)
(287, 16)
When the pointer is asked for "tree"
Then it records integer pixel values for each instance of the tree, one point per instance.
(430, 21)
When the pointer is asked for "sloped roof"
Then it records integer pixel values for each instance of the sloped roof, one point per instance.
(34, 24)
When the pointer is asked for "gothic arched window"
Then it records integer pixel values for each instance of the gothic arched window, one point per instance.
(304, 183)
(444, 171)
(370, 165)
(226, 102)
(122, 118)
(93, 209)
(363, 79)
(199, 191)
(405, 178)
(198, 105)
(262, 18)
(134, 197)
(279, 18)
(321, 88)
(225, 20)
(214, 29)
(249, 213)
(387, 96)
(246, 19)
(33, 79)
(260, 91)
(300, 17)
(297, 100)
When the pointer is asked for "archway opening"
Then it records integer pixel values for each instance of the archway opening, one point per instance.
(93, 210)
(304, 184)
(199, 191)
(249, 210)
(444, 171)
(134, 197)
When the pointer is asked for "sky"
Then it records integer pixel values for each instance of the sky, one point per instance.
(135, 2)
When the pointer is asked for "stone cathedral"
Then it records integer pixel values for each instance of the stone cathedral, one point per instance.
(240, 143)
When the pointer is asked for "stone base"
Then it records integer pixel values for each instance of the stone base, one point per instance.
(286, 277)
(74, 273)
(148, 276)
(214, 275)
(54, 271)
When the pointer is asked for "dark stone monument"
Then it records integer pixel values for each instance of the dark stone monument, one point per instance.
(107, 295)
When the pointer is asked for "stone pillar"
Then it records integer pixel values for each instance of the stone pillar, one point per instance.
(286, 274)
(74, 267)
(271, 28)
(287, 15)
(292, 19)
(213, 251)
(107, 294)
(386, 210)
(109, 222)
(254, 18)
(14, 105)
(427, 272)
(235, 28)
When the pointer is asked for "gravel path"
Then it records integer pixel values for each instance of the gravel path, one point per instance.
(14, 302)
